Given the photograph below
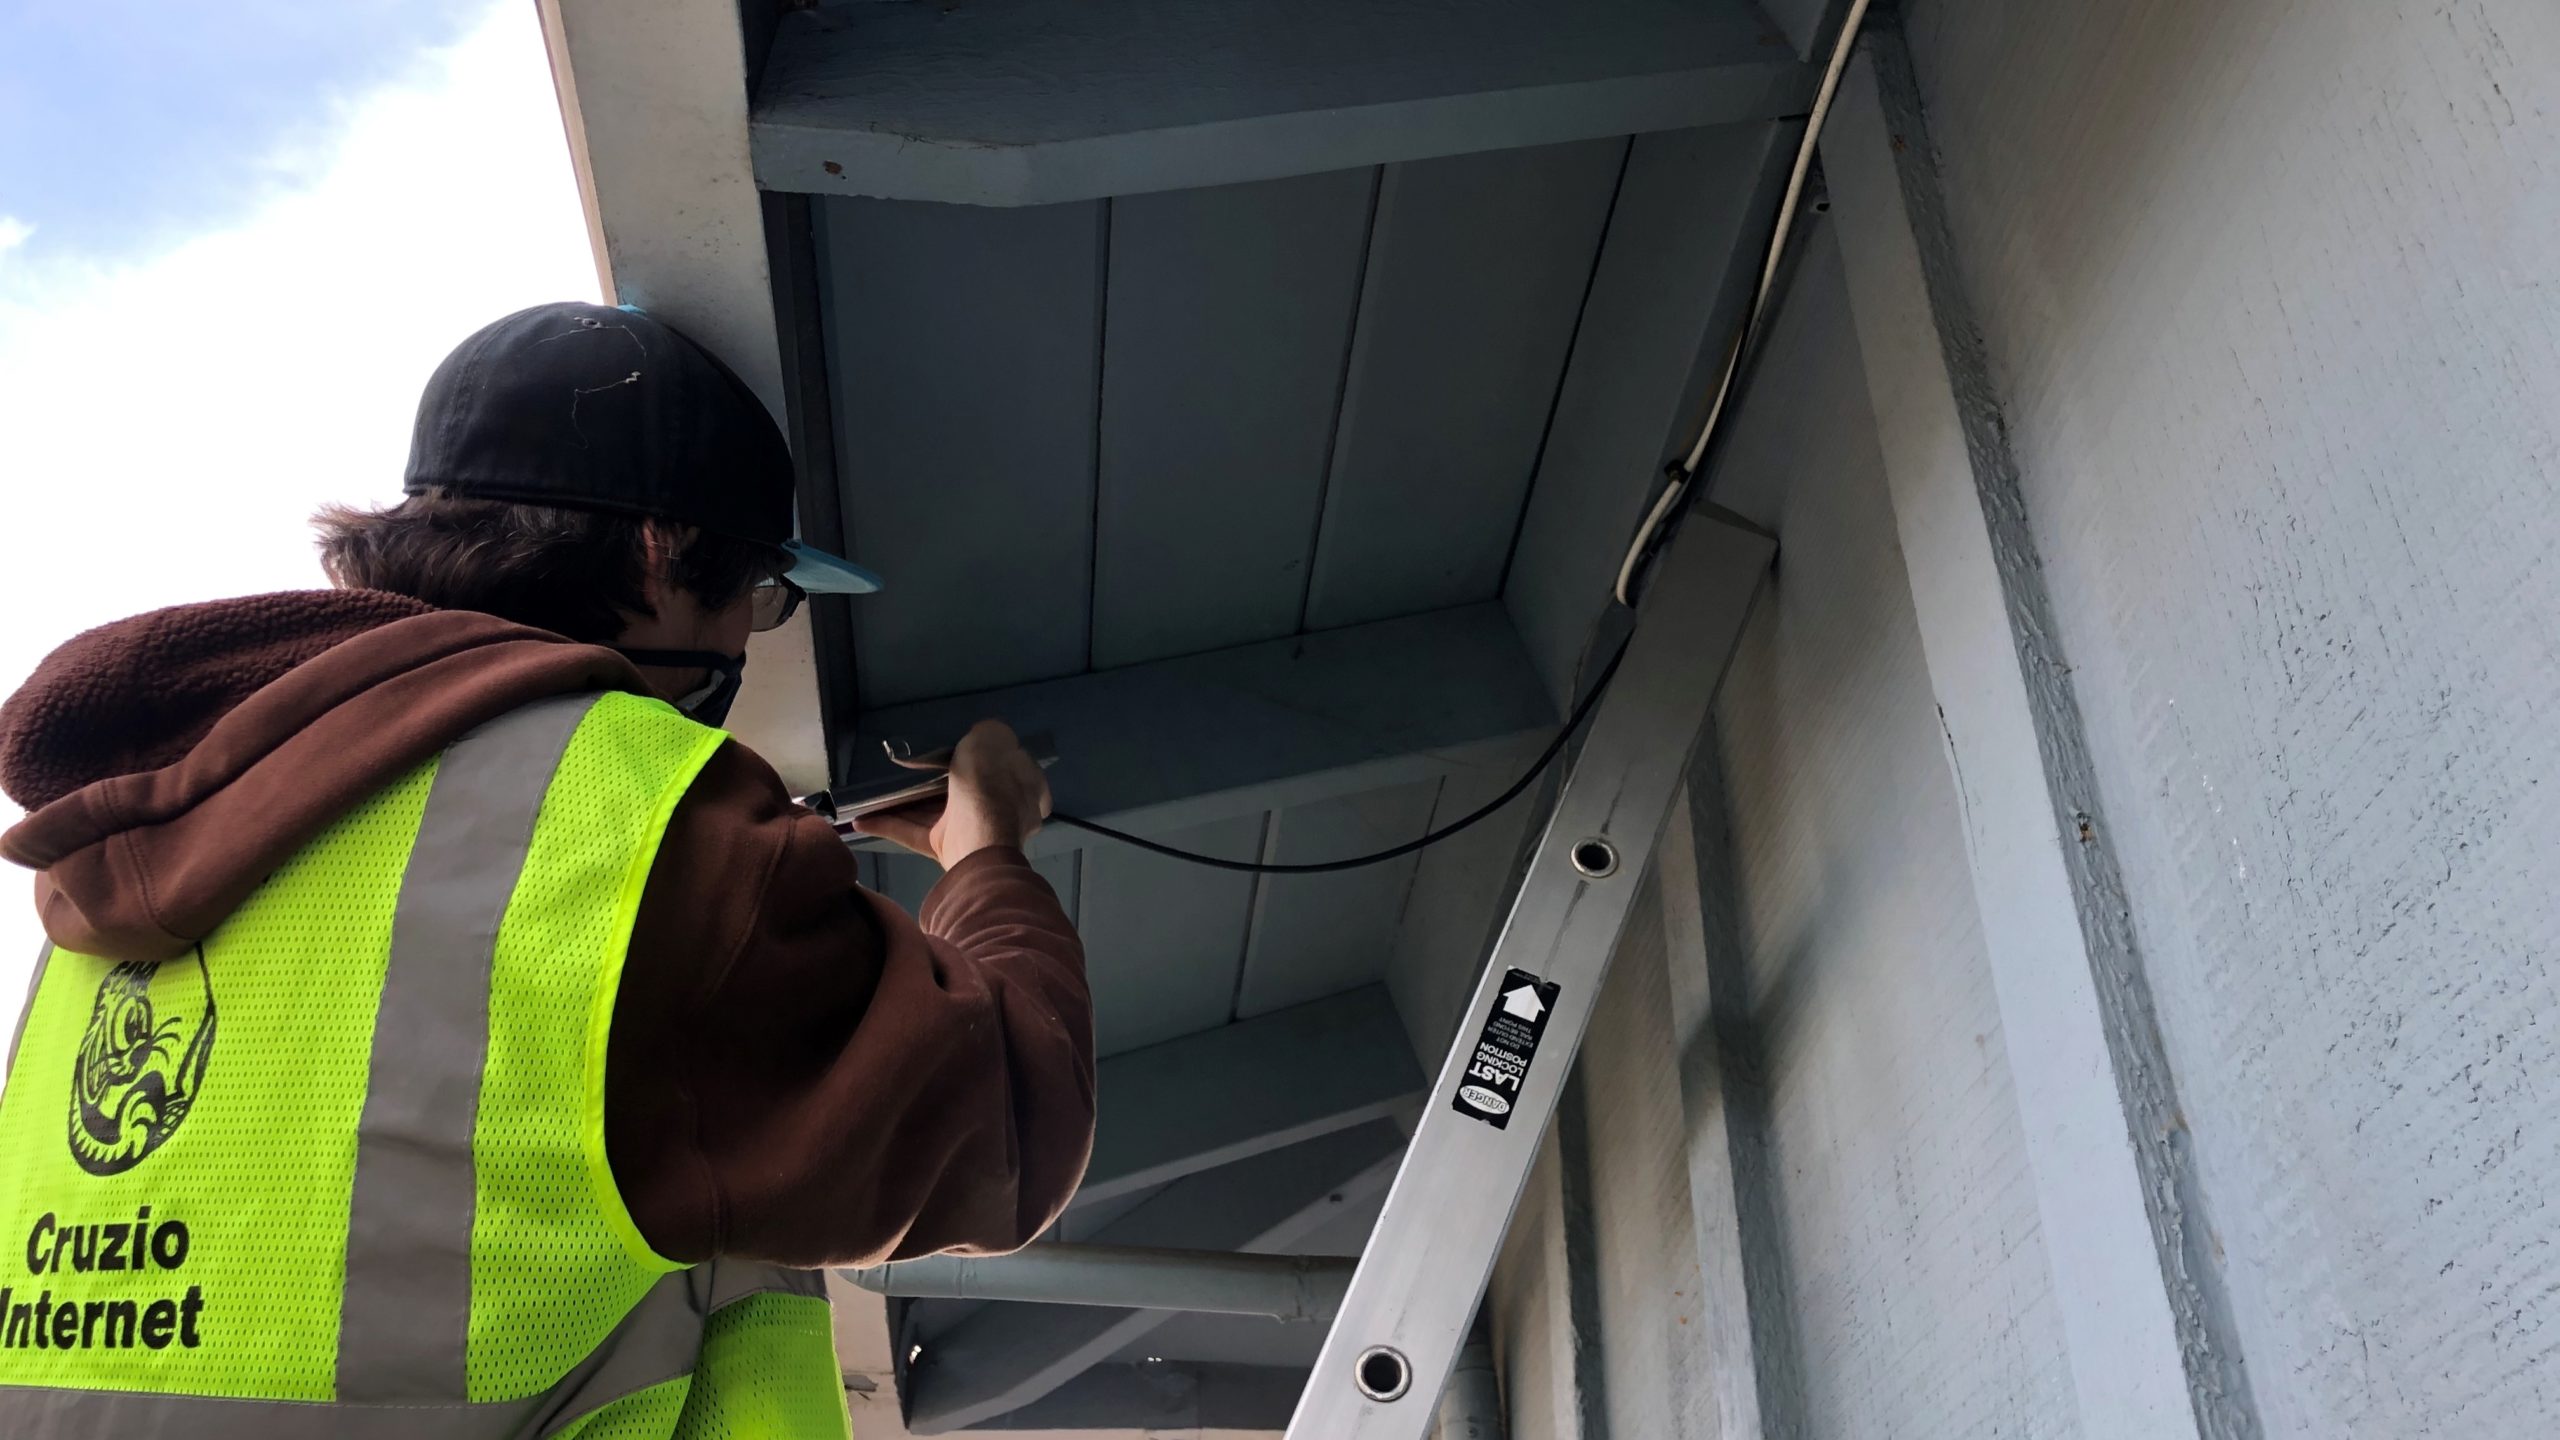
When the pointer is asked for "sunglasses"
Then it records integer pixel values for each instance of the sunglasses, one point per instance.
(772, 602)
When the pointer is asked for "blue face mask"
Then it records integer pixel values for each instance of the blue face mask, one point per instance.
(710, 704)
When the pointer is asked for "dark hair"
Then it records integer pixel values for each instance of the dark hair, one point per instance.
(579, 573)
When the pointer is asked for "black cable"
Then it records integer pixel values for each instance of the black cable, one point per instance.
(1554, 748)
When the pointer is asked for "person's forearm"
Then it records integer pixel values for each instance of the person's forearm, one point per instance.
(956, 1113)
(1002, 918)
(799, 1073)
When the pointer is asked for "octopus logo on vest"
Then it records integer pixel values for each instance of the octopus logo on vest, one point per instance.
(141, 1062)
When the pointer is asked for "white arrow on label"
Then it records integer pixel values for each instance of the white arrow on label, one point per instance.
(1524, 1002)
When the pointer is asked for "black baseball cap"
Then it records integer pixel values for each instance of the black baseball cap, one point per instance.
(600, 407)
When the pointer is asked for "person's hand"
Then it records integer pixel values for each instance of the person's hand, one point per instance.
(998, 796)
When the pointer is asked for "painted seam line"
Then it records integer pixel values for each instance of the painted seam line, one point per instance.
(2222, 1403)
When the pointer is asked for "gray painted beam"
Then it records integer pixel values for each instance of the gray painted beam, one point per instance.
(1183, 742)
(791, 244)
(1210, 1099)
(1707, 1074)
(1027, 102)
(1008, 1356)
(2137, 1271)
(1577, 1227)
(1682, 254)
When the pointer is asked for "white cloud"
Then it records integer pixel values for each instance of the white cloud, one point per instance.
(167, 426)
(13, 233)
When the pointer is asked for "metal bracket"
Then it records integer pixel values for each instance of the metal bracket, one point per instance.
(1396, 1338)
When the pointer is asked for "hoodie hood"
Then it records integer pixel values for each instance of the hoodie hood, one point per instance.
(170, 762)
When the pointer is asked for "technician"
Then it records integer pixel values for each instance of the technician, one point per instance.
(450, 1028)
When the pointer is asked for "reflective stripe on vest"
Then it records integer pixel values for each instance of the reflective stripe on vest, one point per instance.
(404, 1322)
(476, 1136)
(656, 1343)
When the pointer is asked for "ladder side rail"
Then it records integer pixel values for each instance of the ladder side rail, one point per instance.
(1396, 1338)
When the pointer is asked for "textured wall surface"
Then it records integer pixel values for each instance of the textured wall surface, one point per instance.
(1531, 1311)
(2272, 294)
(1602, 1326)
(1919, 1289)
(1598, 1318)
(1652, 1376)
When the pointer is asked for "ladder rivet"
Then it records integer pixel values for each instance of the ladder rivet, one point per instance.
(1596, 858)
(1382, 1373)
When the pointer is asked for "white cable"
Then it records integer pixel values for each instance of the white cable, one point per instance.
(1672, 492)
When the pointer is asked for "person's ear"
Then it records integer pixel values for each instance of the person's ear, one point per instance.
(660, 544)
(653, 565)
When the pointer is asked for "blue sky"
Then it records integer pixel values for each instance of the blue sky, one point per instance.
(235, 238)
(125, 126)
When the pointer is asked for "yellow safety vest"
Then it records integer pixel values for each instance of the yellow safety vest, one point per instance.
(339, 1171)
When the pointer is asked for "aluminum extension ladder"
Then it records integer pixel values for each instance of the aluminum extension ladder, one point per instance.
(1396, 1337)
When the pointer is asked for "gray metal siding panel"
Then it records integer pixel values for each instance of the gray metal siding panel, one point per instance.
(1229, 318)
(963, 347)
(1477, 270)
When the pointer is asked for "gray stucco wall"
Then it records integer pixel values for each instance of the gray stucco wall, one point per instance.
(2272, 296)
(2270, 302)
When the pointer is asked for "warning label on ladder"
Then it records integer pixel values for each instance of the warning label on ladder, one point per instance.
(1491, 1087)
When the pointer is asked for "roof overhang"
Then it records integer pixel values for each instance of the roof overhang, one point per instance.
(1259, 400)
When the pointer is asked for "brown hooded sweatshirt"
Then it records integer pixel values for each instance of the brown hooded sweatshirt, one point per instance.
(799, 1072)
